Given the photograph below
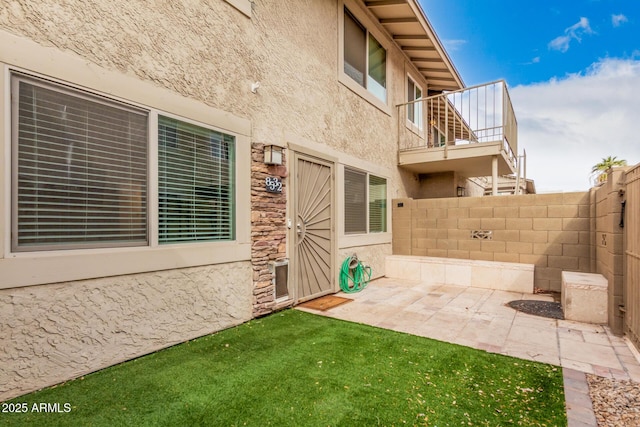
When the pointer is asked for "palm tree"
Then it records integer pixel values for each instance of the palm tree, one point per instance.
(599, 171)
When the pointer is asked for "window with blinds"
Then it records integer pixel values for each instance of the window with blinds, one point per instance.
(355, 201)
(195, 183)
(365, 59)
(377, 204)
(79, 169)
(365, 203)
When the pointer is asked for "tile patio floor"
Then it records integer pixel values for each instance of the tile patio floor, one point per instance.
(480, 319)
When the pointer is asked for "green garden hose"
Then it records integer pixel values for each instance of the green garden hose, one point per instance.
(354, 275)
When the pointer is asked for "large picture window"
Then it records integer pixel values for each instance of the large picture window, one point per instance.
(365, 203)
(365, 60)
(79, 169)
(80, 174)
(196, 183)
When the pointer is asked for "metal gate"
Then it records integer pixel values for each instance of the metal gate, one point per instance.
(313, 221)
(632, 255)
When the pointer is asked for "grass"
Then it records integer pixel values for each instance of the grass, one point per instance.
(298, 369)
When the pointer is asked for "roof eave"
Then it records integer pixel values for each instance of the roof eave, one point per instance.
(407, 25)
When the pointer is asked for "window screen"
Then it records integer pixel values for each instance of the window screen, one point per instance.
(377, 81)
(365, 60)
(355, 49)
(355, 203)
(79, 169)
(377, 204)
(196, 183)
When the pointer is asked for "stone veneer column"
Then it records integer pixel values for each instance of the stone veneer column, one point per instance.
(268, 228)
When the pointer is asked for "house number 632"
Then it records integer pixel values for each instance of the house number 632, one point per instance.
(273, 184)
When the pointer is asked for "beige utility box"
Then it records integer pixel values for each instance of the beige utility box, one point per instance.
(584, 297)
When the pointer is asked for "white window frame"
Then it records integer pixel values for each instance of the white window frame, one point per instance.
(371, 29)
(437, 135)
(28, 268)
(417, 124)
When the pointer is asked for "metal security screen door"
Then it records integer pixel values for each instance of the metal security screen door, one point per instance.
(313, 226)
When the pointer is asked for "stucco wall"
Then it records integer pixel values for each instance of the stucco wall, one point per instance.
(437, 185)
(208, 52)
(373, 256)
(211, 52)
(56, 332)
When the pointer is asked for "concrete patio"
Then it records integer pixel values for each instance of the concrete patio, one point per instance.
(479, 318)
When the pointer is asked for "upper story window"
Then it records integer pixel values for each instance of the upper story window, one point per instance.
(365, 60)
(414, 111)
(439, 138)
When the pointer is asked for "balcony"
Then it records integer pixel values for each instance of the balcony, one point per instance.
(472, 131)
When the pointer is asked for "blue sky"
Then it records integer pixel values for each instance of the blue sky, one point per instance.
(573, 69)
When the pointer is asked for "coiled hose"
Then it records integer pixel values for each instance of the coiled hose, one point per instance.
(354, 275)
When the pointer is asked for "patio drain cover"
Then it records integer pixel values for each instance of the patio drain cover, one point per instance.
(551, 310)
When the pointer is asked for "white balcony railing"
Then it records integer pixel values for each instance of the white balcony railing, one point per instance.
(475, 115)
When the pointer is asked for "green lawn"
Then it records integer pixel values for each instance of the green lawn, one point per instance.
(297, 369)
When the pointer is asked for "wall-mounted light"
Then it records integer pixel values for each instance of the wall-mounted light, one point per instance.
(272, 155)
(460, 191)
(255, 86)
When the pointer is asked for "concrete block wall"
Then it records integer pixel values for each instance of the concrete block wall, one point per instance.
(551, 231)
(609, 243)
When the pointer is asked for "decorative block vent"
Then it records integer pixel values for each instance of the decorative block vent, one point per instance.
(482, 234)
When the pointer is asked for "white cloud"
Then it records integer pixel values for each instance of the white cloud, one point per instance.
(617, 20)
(574, 32)
(453, 45)
(568, 125)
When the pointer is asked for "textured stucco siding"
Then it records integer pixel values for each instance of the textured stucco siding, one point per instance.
(55, 332)
(211, 52)
(374, 256)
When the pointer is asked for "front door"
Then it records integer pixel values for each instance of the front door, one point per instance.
(313, 228)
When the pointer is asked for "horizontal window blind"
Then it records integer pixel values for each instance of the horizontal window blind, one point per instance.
(80, 172)
(355, 48)
(355, 201)
(196, 183)
(377, 204)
